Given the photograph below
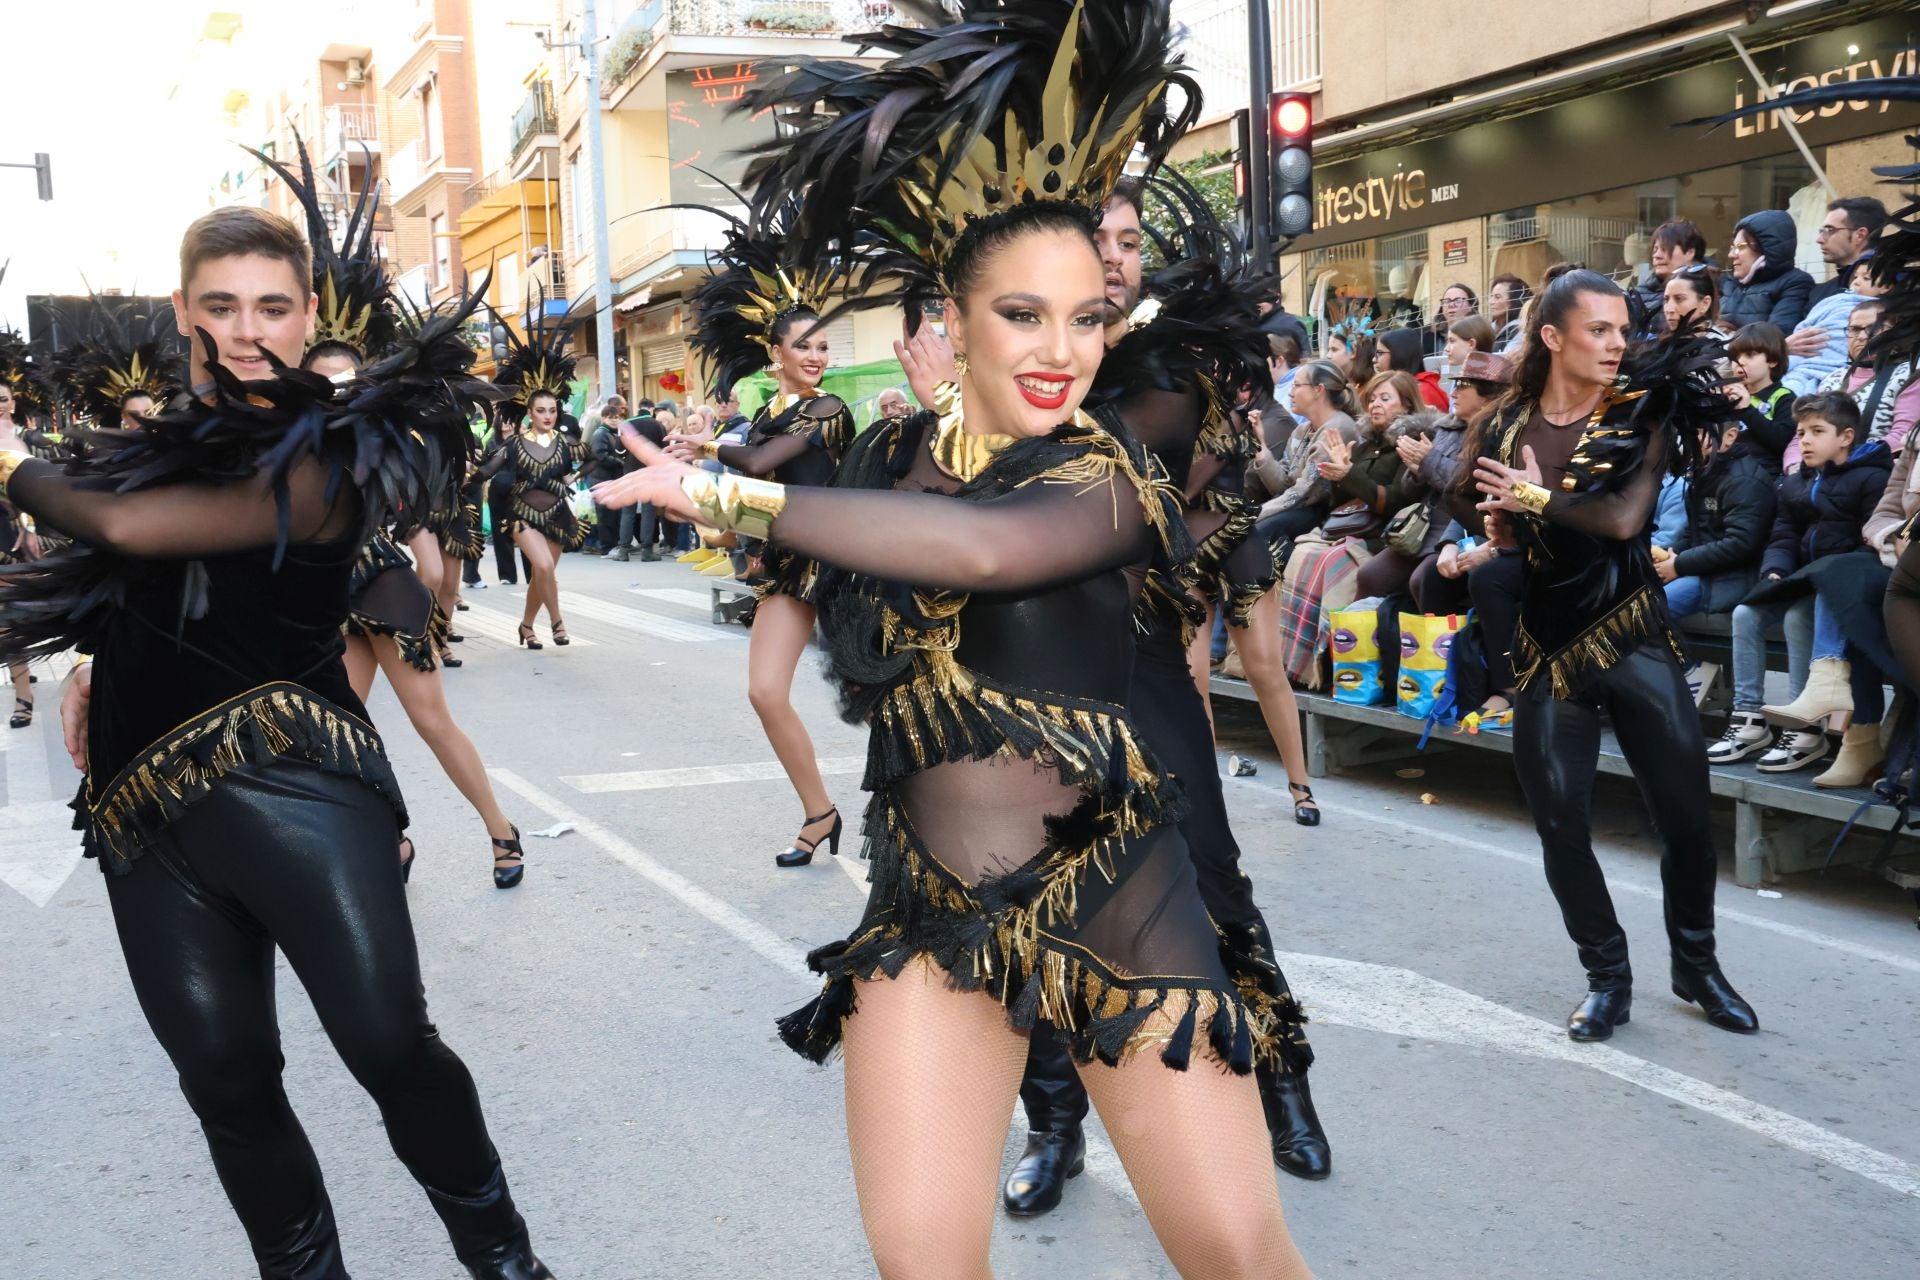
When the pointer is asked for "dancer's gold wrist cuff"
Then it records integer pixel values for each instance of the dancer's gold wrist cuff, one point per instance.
(709, 450)
(1532, 497)
(734, 502)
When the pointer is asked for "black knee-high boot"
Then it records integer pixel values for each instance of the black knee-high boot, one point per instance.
(1056, 1104)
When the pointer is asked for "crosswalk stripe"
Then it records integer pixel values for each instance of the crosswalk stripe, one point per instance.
(494, 625)
(703, 776)
(647, 623)
(38, 846)
(698, 601)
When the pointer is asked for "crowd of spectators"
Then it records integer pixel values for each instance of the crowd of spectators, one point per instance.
(1788, 531)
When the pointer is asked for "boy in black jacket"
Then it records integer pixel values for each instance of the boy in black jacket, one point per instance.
(1820, 511)
(1729, 516)
(1761, 406)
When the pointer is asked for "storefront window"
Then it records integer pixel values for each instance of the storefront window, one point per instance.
(1390, 281)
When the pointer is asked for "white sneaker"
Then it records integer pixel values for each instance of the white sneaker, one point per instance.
(1700, 680)
(1747, 734)
(1794, 749)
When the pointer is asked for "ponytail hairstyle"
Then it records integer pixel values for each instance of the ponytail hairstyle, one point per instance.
(1326, 375)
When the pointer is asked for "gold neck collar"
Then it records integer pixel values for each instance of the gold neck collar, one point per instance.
(956, 451)
(785, 400)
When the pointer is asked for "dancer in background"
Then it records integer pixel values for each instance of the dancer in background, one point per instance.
(756, 312)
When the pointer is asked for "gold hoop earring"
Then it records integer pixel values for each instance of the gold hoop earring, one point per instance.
(960, 365)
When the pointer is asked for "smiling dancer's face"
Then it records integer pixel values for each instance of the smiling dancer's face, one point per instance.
(251, 304)
(1032, 326)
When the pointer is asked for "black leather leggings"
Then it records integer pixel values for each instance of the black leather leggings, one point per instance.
(287, 855)
(1166, 708)
(1556, 748)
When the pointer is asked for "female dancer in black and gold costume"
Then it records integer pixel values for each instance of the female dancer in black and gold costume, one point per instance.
(20, 387)
(235, 794)
(755, 310)
(541, 458)
(1025, 865)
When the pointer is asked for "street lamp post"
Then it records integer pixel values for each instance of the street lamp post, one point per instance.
(1259, 135)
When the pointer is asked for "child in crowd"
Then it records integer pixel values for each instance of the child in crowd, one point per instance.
(1762, 403)
(1821, 510)
(1729, 518)
(1829, 315)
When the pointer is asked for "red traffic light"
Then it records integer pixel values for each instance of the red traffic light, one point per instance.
(1291, 117)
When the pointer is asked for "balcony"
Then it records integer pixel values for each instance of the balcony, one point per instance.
(534, 123)
(1215, 47)
(410, 176)
(674, 34)
(346, 128)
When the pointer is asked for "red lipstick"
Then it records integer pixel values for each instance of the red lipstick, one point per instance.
(1061, 383)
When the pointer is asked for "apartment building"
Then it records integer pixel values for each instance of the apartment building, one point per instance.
(671, 72)
(1459, 142)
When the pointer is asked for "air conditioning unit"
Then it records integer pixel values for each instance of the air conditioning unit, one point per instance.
(356, 71)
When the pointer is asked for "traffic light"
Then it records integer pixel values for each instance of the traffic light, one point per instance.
(1290, 148)
(500, 349)
(1242, 148)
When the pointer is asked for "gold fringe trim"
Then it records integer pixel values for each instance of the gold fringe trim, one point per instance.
(1600, 647)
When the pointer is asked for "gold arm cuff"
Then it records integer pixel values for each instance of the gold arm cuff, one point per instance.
(709, 450)
(1531, 496)
(735, 502)
(10, 461)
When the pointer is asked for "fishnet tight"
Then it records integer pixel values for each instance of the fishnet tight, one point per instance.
(931, 1077)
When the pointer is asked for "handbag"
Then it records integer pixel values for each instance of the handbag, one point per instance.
(1351, 520)
(1355, 641)
(1426, 643)
(1407, 531)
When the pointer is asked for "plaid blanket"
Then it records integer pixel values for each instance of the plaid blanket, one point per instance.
(1320, 580)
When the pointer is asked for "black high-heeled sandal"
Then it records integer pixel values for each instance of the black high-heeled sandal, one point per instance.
(527, 636)
(1306, 810)
(560, 636)
(23, 717)
(510, 875)
(800, 853)
(447, 659)
(406, 863)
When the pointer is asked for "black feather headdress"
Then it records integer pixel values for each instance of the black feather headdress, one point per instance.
(25, 374)
(1012, 103)
(356, 300)
(538, 362)
(115, 353)
(752, 288)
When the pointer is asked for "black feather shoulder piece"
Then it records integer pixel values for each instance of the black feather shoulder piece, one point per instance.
(1005, 104)
(1668, 391)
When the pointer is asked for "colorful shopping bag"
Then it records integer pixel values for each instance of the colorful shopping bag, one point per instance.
(1355, 642)
(1426, 642)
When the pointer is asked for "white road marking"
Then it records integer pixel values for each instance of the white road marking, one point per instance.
(704, 775)
(698, 601)
(641, 621)
(1400, 1002)
(38, 845)
(505, 627)
(1425, 834)
(757, 936)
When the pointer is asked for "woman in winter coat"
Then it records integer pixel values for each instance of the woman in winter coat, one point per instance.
(1401, 351)
(1761, 281)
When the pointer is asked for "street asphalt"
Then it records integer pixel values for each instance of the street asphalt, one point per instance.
(617, 1012)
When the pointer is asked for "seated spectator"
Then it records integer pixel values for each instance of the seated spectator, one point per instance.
(1819, 346)
(1400, 352)
(1283, 360)
(1886, 390)
(1677, 245)
(1371, 474)
(1761, 281)
(1506, 297)
(1350, 347)
(1846, 236)
(1729, 520)
(1283, 477)
(1898, 504)
(1821, 511)
(891, 405)
(1457, 302)
(1475, 333)
(1441, 466)
(1762, 407)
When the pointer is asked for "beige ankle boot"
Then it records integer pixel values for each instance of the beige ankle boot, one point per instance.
(1860, 755)
(1827, 692)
